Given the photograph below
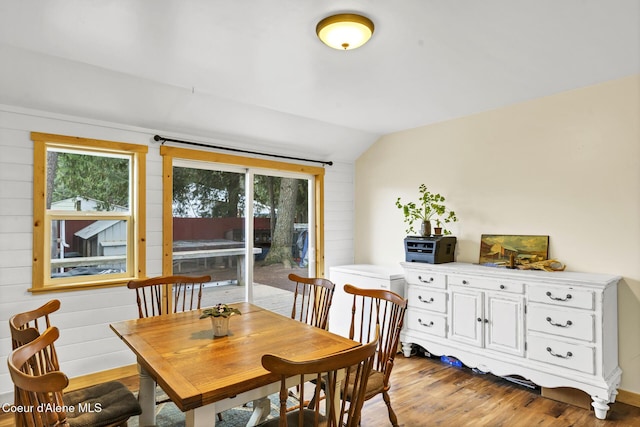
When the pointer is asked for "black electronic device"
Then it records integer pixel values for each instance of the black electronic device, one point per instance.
(433, 249)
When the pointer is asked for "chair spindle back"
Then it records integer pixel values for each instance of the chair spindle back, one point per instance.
(312, 298)
(183, 293)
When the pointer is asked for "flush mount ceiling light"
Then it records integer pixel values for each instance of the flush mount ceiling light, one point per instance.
(344, 31)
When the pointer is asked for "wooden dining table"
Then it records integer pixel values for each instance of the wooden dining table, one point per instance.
(203, 374)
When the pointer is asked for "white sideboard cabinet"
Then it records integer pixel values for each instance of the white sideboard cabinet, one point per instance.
(557, 329)
(369, 276)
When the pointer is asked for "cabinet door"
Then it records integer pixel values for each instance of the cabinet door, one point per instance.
(504, 324)
(466, 316)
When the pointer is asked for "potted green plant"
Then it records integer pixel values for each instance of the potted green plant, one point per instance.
(437, 230)
(430, 206)
(219, 315)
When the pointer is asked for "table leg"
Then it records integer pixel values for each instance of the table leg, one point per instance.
(261, 409)
(240, 267)
(204, 416)
(147, 398)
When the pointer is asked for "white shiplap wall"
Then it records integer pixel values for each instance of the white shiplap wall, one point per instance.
(339, 215)
(86, 342)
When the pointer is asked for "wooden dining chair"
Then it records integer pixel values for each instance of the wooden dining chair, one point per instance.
(40, 384)
(330, 374)
(26, 327)
(373, 309)
(312, 300)
(185, 294)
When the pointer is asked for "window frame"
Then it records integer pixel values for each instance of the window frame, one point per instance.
(42, 218)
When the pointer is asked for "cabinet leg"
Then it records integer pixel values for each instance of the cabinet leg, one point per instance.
(406, 349)
(600, 407)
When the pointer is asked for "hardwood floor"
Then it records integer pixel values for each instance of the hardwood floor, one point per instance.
(426, 392)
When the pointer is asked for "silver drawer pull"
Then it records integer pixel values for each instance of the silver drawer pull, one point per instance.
(569, 354)
(429, 280)
(426, 301)
(428, 325)
(569, 323)
(567, 298)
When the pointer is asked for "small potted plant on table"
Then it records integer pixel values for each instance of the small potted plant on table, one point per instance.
(220, 315)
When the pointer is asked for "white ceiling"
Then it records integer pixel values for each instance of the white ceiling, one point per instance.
(254, 71)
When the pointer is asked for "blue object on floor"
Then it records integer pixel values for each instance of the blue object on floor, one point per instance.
(451, 361)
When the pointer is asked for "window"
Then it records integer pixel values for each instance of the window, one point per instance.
(88, 212)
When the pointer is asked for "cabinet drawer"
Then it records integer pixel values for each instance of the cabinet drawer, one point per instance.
(571, 356)
(487, 284)
(567, 297)
(572, 324)
(427, 323)
(427, 278)
(427, 299)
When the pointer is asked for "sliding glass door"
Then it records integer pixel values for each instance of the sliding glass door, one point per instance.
(247, 260)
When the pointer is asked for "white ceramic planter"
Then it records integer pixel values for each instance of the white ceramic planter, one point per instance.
(220, 326)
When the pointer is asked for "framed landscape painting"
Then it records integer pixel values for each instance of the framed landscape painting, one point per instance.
(498, 248)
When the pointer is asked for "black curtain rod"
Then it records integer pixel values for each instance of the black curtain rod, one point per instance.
(238, 150)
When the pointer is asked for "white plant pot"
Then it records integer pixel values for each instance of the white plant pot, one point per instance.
(220, 326)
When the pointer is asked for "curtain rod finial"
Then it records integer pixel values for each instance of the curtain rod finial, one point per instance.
(157, 138)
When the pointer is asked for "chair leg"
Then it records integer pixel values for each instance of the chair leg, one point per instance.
(392, 415)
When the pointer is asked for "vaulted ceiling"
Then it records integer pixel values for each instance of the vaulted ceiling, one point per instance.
(255, 72)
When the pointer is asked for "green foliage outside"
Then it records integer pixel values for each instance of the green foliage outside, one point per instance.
(203, 193)
(104, 179)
